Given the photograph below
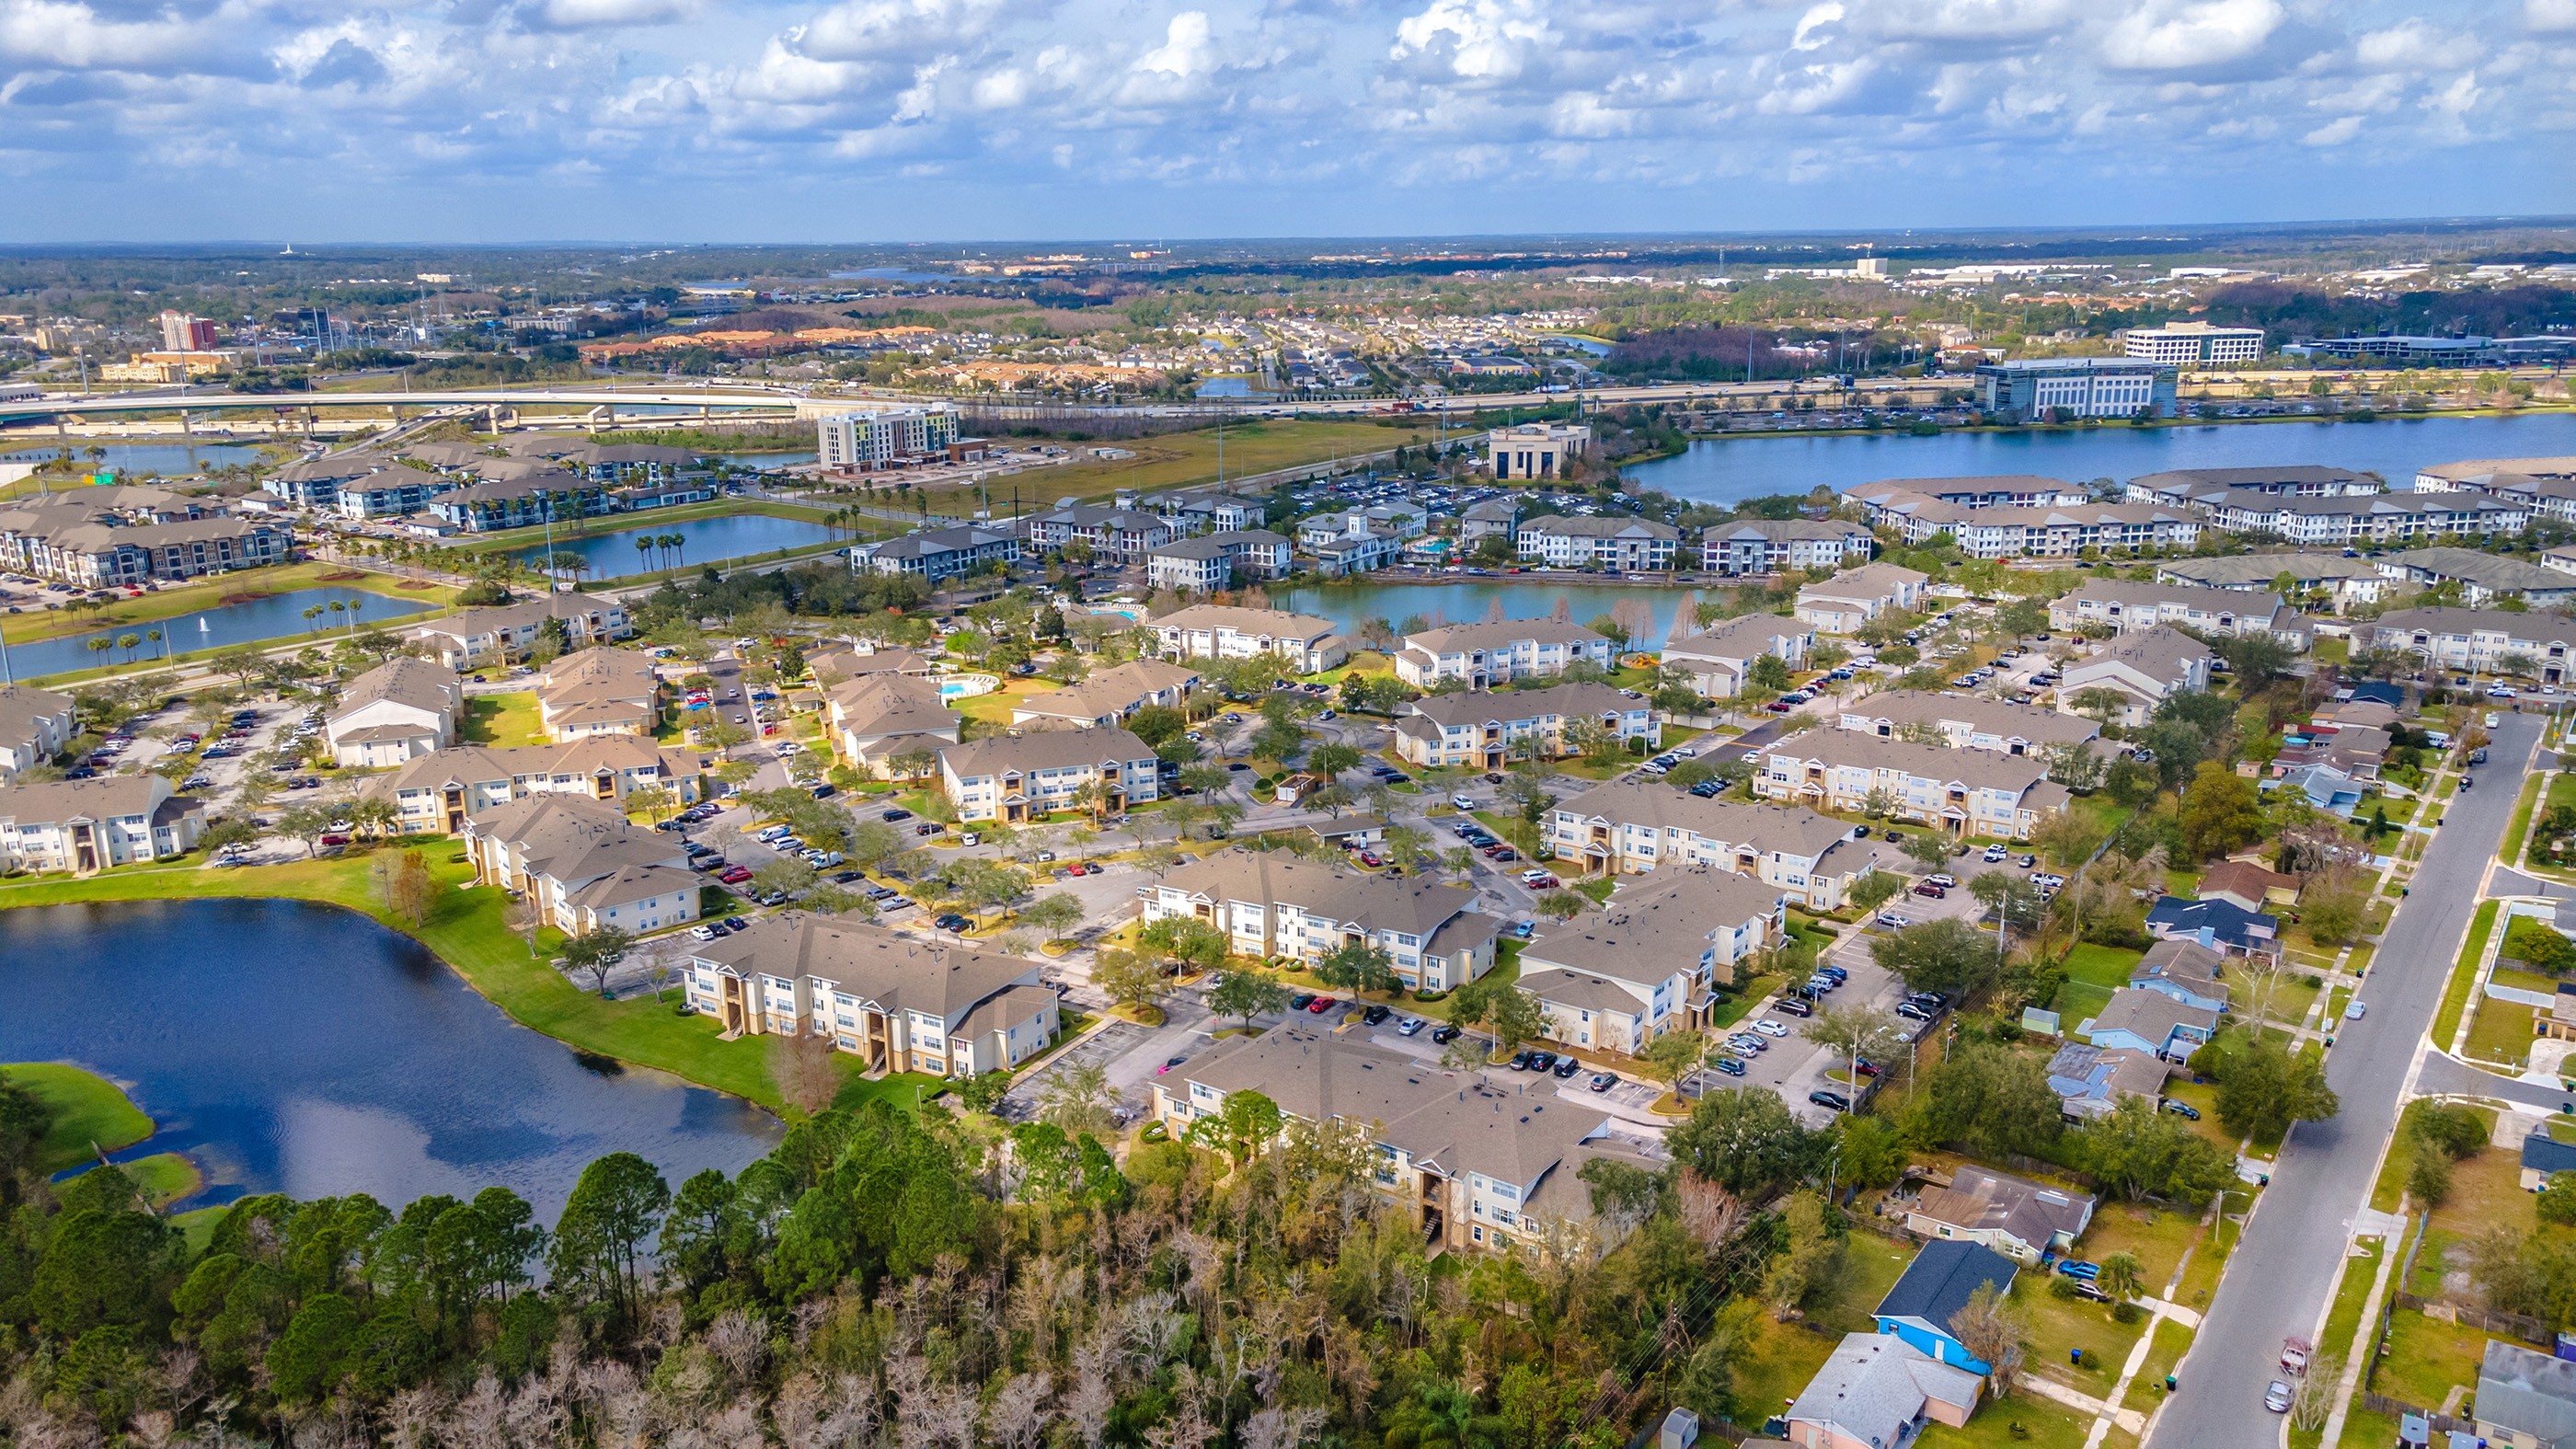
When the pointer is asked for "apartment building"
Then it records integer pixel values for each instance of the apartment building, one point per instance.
(35, 726)
(1121, 535)
(2472, 639)
(1536, 450)
(1965, 792)
(316, 482)
(120, 536)
(1485, 655)
(1111, 696)
(1640, 825)
(1963, 722)
(1493, 518)
(2495, 475)
(2125, 606)
(938, 553)
(2031, 389)
(869, 442)
(2054, 530)
(1201, 511)
(898, 1003)
(521, 500)
(1214, 561)
(1987, 490)
(1399, 520)
(2143, 668)
(1776, 545)
(481, 637)
(2482, 577)
(2193, 344)
(438, 793)
(1306, 643)
(390, 493)
(1627, 545)
(2200, 488)
(1848, 601)
(1348, 554)
(1471, 1162)
(1644, 965)
(874, 719)
(1486, 730)
(583, 865)
(2367, 518)
(95, 824)
(828, 667)
(2342, 581)
(1720, 656)
(1017, 778)
(400, 710)
(1272, 904)
(599, 691)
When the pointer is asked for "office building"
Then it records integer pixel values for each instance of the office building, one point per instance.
(2185, 344)
(2041, 389)
(1536, 450)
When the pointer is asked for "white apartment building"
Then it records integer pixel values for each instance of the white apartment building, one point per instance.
(1213, 561)
(1966, 792)
(1848, 601)
(1307, 643)
(1719, 656)
(2370, 518)
(400, 710)
(2194, 343)
(1485, 655)
(1769, 545)
(2476, 639)
(35, 726)
(1964, 722)
(1623, 544)
(1643, 825)
(438, 793)
(1483, 730)
(480, 637)
(583, 865)
(94, 824)
(1271, 904)
(1018, 778)
(2143, 668)
(2126, 606)
(1644, 965)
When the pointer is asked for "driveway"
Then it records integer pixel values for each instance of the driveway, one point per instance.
(2277, 1282)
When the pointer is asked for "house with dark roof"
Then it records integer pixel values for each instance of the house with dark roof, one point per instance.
(2218, 924)
(2544, 1157)
(938, 553)
(2012, 1215)
(1934, 1287)
(2092, 1081)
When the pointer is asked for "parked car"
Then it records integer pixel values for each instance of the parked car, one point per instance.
(1322, 1004)
(1833, 1100)
(2182, 1109)
(1793, 1006)
(2277, 1397)
(1567, 1066)
(1729, 1065)
(1603, 1081)
(1301, 1001)
(1376, 1014)
(1410, 1026)
(1445, 1034)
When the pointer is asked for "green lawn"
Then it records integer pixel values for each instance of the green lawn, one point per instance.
(164, 1177)
(503, 720)
(2425, 1358)
(2157, 1237)
(466, 931)
(2455, 996)
(2147, 1390)
(1782, 1357)
(2026, 1422)
(91, 1113)
(172, 603)
(2501, 1032)
(2092, 974)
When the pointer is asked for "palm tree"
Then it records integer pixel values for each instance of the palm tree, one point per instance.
(679, 545)
(153, 636)
(644, 550)
(129, 643)
(357, 602)
(338, 607)
(311, 613)
(100, 645)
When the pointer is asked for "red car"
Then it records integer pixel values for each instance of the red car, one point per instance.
(1321, 1004)
(736, 876)
(1370, 859)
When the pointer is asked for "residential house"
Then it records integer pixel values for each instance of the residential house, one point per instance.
(94, 824)
(1486, 655)
(1635, 826)
(1966, 792)
(1964, 722)
(2310, 574)
(2125, 606)
(482, 637)
(875, 718)
(1941, 1280)
(35, 726)
(436, 794)
(1777, 545)
(898, 1003)
(1720, 656)
(1018, 778)
(2544, 1157)
(2321, 785)
(1471, 1162)
(1851, 599)
(1214, 561)
(2356, 751)
(599, 691)
(2012, 1215)
(1626, 545)
(1486, 730)
(2182, 968)
(2248, 885)
(939, 553)
(1111, 696)
(583, 865)
(2525, 1399)
(2150, 1021)
(2218, 924)
(1306, 643)
(1616, 980)
(2091, 1082)
(1876, 1391)
(400, 710)
(2476, 639)
(2482, 577)
(1269, 904)
(2141, 669)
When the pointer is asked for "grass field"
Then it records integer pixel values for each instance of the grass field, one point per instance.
(2026, 1422)
(1783, 1356)
(164, 1177)
(466, 931)
(2464, 976)
(502, 720)
(194, 598)
(91, 1113)
(2092, 974)
(1178, 459)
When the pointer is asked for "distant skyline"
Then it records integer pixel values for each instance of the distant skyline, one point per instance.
(488, 121)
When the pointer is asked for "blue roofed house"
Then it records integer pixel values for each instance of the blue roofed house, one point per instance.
(2218, 924)
(2544, 1157)
(2090, 1081)
(1936, 1285)
(2150, 1021)
(2325, 787)
(2185, 970)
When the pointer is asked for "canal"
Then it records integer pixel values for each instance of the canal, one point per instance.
(168, 459)
(1730, 470)
(704, 541)
(298, 1048)
(276, 619)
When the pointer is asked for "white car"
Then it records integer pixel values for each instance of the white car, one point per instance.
(702, 933)
(1462, 802)
(1892, 921)
(1408, 1026)
(1768, 1027)
(2354, 1010)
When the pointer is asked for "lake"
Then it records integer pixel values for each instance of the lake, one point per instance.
(278, 617)
(710, 540)
(168, 459)
(1729, 470)
(305, 1049)
(1466, 603)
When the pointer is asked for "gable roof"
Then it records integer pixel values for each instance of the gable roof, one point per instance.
(873, 963)
(2152, 1016)
(1276, 623)
(1874, 1384)
(1941, 1280)
(1737, 640)
(1982, 1200)
(2528, 1392)
(1652, 931)
(1565, 701)
(1414, 905)
(1785, 829)
(1868, 583)
(1112, 691)
(1044, 749)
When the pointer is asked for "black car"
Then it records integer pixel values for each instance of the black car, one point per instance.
(1521, 1061)
(733, 924)
(1376, 1014)
(1542, 1061)
(1301, 1001)
(925, 828)
(844, 877)
(954, 922)
(1912, 1012)
(1835, 1100)
(826, 791)
(1930, 1000)
(1443, 1035)
(1568, 1067)
(1895, 835)
(892, 816)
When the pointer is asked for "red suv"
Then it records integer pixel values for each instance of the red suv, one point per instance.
(1321, 1004)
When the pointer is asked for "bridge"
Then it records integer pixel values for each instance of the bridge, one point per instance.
(184, 400)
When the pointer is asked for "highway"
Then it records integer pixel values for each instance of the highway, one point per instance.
(2278, 1281)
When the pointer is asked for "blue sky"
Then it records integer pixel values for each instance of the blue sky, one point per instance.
(893, 120)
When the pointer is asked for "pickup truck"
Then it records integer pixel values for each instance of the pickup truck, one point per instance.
(2294, 1354)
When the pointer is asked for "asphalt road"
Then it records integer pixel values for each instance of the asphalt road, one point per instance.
(2277, 1283)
